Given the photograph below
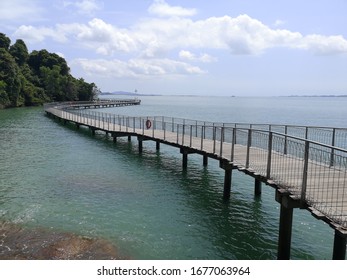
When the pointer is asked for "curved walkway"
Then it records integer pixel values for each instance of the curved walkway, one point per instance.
(306, 173)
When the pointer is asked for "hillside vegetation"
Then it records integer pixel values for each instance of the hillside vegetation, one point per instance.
(28, 79)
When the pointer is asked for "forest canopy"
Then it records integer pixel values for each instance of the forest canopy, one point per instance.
(29, 79)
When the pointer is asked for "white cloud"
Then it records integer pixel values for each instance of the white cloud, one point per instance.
(85, 7)
(136, 68)
(325, 45)
(163, 9)
(33, 34)
(150, 44)
(187, 55)
(157, 37)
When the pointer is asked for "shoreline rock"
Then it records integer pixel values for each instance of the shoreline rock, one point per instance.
(19, 243)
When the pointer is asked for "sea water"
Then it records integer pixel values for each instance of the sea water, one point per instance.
(56, 177)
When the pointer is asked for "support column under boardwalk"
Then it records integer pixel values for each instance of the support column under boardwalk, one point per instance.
(185, 152)
(205, 160)
(257, 187)
(286, 223)
(340, 239)
(228, 168)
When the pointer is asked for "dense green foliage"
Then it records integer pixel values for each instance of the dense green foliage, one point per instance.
(28, 79)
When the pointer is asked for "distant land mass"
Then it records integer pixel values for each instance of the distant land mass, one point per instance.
(317, 95)
(126, 93)
(140, 94)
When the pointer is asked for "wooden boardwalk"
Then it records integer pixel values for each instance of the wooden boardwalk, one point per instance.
(307, 174)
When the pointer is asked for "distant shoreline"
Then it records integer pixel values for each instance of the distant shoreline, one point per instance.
(323, 95)
(125, 93)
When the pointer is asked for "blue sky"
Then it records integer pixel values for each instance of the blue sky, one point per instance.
(221, 47)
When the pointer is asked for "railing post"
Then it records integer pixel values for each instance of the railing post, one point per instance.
(304, 175)
(177, 133)
(190, 136)
(249, 143)
(99, 118)
(233, 141)
(269, 155)
(204, 130)
(153, 126)
(143, 126)
(221, 141)
(202, 137)
(214, 138)
(183, 130)
(164, 127)
(235, 126)
(332, 149)
(285, 139)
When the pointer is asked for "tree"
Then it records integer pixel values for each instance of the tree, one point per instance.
(41, 58)
(4, 101)
(38, 77)
(9, 75)
(86, 91)
(4, 41)
(19, 51)
(52, 83)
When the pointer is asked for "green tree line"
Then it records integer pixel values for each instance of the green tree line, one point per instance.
(29, 79)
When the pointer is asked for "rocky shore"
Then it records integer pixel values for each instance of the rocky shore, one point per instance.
(19, 243)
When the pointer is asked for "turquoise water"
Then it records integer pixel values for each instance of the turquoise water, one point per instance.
(60, 178)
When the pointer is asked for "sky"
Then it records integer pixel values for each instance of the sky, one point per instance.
(176, 47)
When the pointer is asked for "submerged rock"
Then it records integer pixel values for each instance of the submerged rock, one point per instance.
(17, 243)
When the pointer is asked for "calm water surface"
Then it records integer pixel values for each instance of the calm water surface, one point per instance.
(56, 177)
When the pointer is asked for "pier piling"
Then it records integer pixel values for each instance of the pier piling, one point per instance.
(140, 146)
(339, 252)
(257, 187)
(228, 168)
(286, 222)
(205, 160)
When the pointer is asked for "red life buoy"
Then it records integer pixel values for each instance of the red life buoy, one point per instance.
(148, 124)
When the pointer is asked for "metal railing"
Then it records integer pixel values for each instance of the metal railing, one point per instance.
(292, 157)
(67, 105)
